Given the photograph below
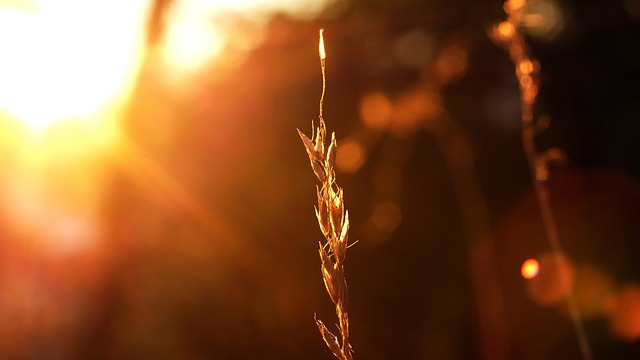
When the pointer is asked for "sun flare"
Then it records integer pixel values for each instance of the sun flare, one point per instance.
(67, 59)
(66, 71)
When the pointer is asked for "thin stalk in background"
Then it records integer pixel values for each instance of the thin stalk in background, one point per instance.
(508, 34)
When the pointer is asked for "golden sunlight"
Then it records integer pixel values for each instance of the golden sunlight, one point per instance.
(67, 59)
(302, 9)
(191, 40)
(200, 32)
(66, 71)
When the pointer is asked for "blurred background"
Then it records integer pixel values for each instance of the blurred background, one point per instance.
(157, 203)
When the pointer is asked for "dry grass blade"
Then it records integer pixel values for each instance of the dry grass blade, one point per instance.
(333, 220)
(509, 34)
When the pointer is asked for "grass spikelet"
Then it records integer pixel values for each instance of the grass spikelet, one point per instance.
(333, 220)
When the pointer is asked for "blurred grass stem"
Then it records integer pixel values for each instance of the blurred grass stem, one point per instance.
(509, 35)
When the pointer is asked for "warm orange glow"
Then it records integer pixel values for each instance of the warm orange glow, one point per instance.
(451, 64)
(543, 19)
(525, 81)
(513, 5)
(67, 59)
(191, 40)
(593, 288)
(530, 268)
(376, 110)
(416, 108)
(386, 216)
(525, 66)
(259, 8)
(554, 281)
(350, 156)
(66, 71)
(505, 30)
(202, 33)
(414, 48)
(62, 219)
(323, 55)
(625, 313)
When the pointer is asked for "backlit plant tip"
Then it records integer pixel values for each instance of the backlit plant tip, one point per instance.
(323, 55)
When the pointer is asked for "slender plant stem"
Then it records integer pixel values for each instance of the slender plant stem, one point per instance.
(551, 231)
(508, 34)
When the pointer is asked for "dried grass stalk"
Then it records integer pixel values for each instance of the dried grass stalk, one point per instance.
(333, 219)
(509, 34)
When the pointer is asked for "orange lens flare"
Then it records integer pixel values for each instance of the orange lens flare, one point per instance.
(530, 269)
